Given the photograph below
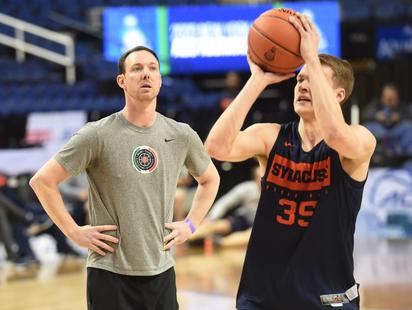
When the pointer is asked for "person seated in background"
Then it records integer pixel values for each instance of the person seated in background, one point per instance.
(29, 219)
(242, 200)
(391, 122)
(11, 216)
(75, 196)
(233, 84)
(236, 239)
(184, 195)
(19, 254)
(74, 192)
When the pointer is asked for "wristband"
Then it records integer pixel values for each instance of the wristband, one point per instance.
(190, 224)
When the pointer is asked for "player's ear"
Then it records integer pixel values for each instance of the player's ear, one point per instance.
(120, 80)
(340, 95)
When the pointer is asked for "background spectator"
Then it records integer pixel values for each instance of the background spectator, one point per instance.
(391, 122)
(235, 211)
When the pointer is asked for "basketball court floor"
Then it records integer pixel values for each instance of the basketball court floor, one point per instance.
(383, 267)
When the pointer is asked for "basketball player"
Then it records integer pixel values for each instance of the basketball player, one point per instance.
(133, 159)
(300, 251)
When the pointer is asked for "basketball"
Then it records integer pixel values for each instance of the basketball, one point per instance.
(274, 43)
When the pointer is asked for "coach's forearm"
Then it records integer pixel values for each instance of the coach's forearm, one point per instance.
(203, 199)
(52, 202)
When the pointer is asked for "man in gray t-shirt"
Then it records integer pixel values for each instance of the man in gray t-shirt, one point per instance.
(132, 159)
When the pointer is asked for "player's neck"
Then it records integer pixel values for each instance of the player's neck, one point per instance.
(140, 115)
(310, 134)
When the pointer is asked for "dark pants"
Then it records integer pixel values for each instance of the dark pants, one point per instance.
(111, 291)
(6, 236)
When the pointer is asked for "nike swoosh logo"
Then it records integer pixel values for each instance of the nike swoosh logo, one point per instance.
(168, 140)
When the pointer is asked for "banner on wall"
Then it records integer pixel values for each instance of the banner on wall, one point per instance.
(204, 38)
(388, 189)
(53, 127)
(393, 40)
(387, 203)
(50, 131)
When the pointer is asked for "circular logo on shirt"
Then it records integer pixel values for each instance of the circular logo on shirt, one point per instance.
(145, 159)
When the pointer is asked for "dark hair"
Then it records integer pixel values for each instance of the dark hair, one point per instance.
(122, 59)
(391, 85)
(343, 75)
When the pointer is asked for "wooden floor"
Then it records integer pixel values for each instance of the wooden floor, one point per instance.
(204, 282)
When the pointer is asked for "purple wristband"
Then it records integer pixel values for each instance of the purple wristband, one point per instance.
(190, 224)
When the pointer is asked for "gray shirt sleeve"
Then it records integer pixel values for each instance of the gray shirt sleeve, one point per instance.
(197, 159)
(80, 151)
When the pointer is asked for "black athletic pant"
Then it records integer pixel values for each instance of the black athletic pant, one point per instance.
(111, 291)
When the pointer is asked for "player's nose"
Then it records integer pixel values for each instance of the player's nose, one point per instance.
(145, 73)
(303, 86)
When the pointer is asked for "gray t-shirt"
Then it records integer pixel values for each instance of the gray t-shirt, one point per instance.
(132, 174)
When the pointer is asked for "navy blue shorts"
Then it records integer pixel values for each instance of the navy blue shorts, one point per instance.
(110, 291)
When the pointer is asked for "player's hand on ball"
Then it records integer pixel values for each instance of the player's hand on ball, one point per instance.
(309, 35)
(267, 77)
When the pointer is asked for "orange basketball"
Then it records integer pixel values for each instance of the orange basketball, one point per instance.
(274, 43)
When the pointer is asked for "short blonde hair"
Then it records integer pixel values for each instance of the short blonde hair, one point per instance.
(343, 75)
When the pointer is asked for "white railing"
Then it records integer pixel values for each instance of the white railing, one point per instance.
(354, 114)
(22, 47)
